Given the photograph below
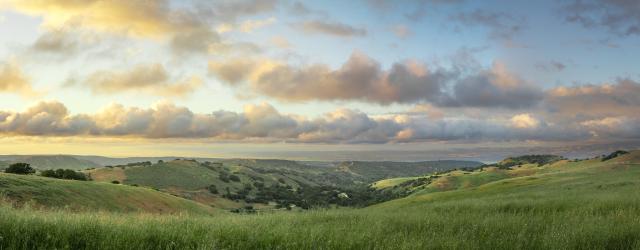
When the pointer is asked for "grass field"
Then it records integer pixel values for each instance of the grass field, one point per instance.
(568, 205)
(91, 196)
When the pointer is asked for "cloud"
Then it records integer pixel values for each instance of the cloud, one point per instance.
(330, 28)
(590, 101)
(501, 26)
(262, 122)
(153, 79)
(137, 18)
(551, 66)
(620, 17)
(230, 10)
(194, 41)
(45, 118)
(362, 79)
(156, 19)
(246, 26)
(495, 88)
(524, 121)
(13, 80)
(56, 41)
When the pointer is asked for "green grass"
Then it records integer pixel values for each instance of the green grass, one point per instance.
(387, 183)
(583, 205)
(91, 196)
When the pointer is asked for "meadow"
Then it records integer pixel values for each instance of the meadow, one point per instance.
(573, 205)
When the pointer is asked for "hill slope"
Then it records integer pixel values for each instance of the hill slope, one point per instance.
(590, 204)
(42, 162)
(91, 196)
(245, 179)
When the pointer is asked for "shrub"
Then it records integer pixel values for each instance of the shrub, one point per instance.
(213, 189)
(234, 178)
(20, 168)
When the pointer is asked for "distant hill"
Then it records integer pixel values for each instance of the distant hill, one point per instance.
(372, 171)
(91, 196)
(42, 162)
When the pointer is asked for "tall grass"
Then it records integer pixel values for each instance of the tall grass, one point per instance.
(596, 223)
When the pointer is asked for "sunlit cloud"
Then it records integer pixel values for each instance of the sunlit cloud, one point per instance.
(152, 79)
(13, 80)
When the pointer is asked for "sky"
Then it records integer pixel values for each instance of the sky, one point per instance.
(218, 78)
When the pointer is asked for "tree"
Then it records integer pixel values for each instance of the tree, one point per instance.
(64, 174)
(20, 168)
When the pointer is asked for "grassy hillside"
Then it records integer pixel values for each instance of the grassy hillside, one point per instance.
(241, 182)
(90, 196)
(372, 171)
(590, 204)
(42, 162)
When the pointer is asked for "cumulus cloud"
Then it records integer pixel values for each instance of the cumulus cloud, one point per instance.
(13, 80)
(495, 88)
(151, 78)
(185, 27)
(262, 122)
(590, 101)
(620, 17)
(362, 79)
(524, 121)
(330, 28)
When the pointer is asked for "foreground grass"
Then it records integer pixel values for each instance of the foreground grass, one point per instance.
(602, 224)
(579, 206)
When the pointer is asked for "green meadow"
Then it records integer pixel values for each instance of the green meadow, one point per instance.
(589, 204)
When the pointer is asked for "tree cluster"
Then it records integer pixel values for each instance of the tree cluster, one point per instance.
(66, 174)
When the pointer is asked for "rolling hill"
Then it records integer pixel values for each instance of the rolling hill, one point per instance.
(586, 204)
(42, 162)
(242, 180)
(42, 192)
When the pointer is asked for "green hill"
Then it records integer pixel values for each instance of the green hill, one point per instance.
(42, 192)
(42, 162)
(240, 182)
(590, 204)
(373, 171)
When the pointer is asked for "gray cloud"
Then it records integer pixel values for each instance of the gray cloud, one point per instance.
(262, 122)
(589, 102)
(494, 88)
(620, 17)
(362, 79)
(551, 66)
(501, 26)
(330, 28)
(56, 41)
(230, 10)
(194, 41)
